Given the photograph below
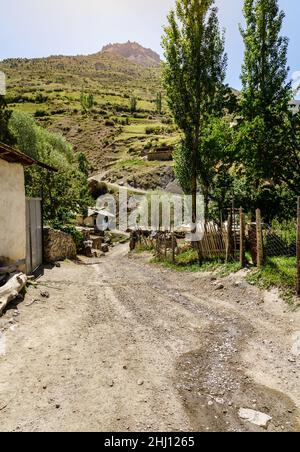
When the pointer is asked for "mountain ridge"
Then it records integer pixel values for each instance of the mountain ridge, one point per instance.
(134, 52)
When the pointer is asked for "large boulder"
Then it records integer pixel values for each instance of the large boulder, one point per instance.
(58, 246)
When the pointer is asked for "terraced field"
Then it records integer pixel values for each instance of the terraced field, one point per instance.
(114, 137)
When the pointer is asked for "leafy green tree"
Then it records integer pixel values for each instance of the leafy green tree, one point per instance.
(133, 104)
(83, 164)
(87, 102)
(159, 103)
(193, 76)
(65, 192)
(5, 114)
(266, 92)
(289, 164)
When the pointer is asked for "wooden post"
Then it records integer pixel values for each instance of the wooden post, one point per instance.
(298, 246)
(259, 240)
(156, 245)
(242, 239)
(173, 247)
(229, 239)
(165, 242)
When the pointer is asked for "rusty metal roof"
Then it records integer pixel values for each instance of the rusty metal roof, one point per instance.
(13, 155)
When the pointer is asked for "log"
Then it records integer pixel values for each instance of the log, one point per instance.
(11, 290)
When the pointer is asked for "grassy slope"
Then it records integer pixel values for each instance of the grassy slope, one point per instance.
(52, 87)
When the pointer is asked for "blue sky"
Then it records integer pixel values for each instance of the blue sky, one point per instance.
(34, 28)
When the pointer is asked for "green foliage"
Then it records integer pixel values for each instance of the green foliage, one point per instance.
(188, 261)
(278, 272)
(158, 130)
(193, 77)
(5, 114)
(195, 65)
(286, 230)
(215, 157)
(77, 236)
(159, 103)
(266, 93)
(264, 71)
(87, 101)
(83, 164)
(40, 114)
(133, 104)
(65, 192)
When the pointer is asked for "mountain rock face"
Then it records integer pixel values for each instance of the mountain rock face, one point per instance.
(134, 52)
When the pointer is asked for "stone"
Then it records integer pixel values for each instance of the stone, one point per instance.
(58, 246)
(104, 248)
(219, 287)
(255, 417)
(45, 294)
(140, 382)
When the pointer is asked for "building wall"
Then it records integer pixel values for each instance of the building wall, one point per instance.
(12, 212)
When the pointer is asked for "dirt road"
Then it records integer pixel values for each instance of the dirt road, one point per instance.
(122, 345)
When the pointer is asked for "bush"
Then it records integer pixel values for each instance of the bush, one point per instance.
(40, 114)
(97, 188)
(167, 120)
(148, 145)
(158, 130)
(109, 123)
(40, 98)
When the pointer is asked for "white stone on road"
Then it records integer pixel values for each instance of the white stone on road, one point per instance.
(296, 344)
(255, 417)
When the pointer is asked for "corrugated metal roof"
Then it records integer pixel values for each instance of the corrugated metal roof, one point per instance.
(101, 212)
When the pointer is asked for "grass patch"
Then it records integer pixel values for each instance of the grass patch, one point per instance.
(188, 262)
(131, 163)
(278, 272)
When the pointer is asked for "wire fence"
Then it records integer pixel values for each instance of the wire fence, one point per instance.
(279, 241)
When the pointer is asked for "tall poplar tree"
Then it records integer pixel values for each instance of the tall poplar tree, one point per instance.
(266, 92)
(193, 75)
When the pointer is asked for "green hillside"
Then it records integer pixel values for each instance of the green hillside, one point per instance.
(114, 138)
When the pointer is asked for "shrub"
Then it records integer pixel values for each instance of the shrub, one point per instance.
(40, 114)
(97, 188)
(109, 123)
(167, 120)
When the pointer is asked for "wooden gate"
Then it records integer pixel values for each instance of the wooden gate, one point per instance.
(34, 234)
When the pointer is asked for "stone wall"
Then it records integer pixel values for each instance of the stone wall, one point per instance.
(58, 246)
